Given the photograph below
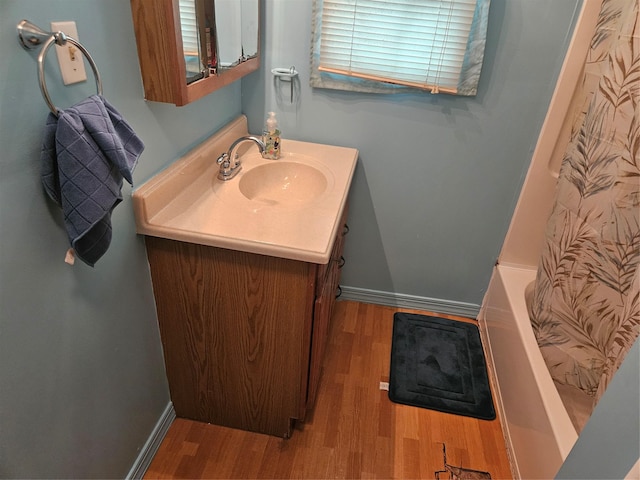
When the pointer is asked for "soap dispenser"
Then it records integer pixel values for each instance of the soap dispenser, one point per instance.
(271, 138)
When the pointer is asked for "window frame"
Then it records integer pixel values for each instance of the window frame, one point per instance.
(467, 84)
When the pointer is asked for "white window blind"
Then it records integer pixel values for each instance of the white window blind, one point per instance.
(417, 43)
(189, 25)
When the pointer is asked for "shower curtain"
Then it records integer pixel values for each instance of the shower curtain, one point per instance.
(585, 309)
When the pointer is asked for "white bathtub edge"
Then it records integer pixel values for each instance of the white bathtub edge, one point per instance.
(497, 396)
(538, 438)
(517, 279)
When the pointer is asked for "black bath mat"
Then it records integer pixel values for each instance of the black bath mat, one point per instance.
(438, 364)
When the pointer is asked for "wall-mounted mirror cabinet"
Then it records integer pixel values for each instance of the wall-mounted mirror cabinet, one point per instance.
(189, 48)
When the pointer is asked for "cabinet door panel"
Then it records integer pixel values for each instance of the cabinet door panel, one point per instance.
(235, 329)
(321, 324)
(327, 285)
(336, 254)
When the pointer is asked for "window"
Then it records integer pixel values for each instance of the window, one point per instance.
(391, 45)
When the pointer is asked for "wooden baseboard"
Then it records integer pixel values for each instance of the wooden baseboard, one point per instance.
(152, 444)
(400, 300)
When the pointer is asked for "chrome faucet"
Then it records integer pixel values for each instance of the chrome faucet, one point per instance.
(228, 161)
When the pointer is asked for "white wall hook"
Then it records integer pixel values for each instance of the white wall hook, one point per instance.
(285, 75)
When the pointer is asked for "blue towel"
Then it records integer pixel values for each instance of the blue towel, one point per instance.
(87, 150)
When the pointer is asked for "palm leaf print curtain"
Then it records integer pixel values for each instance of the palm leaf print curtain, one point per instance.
(586, 302)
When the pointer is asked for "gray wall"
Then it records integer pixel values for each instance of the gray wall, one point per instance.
(438, 176)
(82, 380)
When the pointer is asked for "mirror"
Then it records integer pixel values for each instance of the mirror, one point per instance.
(188, 49)
(217, 35)
(250, 27)
(191, 40)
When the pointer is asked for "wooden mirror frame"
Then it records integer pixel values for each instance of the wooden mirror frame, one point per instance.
(159, 41)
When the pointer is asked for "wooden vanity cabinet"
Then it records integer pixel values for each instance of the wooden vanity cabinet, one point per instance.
(243, 334)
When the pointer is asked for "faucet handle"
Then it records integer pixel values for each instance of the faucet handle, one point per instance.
(223, 160)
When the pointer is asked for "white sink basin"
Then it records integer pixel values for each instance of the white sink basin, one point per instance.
(282, 183)
(288, 208)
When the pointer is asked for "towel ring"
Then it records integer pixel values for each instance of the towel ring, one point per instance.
(31, 37)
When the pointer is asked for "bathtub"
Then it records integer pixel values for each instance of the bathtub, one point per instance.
(538, 431)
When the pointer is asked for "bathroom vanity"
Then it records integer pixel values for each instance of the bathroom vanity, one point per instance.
(245, 274)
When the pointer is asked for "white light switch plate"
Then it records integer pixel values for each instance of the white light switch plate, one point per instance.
(70, 58)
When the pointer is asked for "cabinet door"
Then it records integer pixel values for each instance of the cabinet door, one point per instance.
(321, 324)
(235, 329)
(336, 255)
(326, 288)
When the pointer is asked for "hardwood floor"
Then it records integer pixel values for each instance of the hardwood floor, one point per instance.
(355, 431)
